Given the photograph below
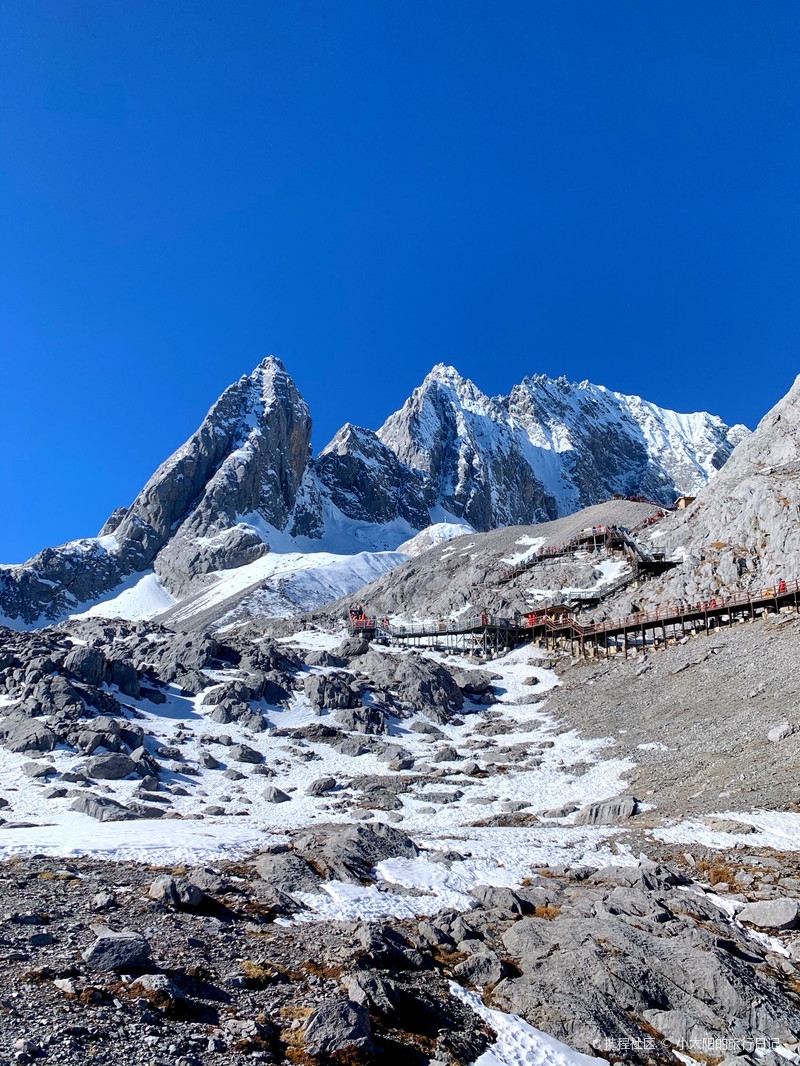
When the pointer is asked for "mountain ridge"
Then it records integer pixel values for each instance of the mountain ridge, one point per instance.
(246, 481)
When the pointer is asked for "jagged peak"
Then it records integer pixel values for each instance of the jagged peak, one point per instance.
(352, 438)
(272, 364)
(446, 374)
(466, 392)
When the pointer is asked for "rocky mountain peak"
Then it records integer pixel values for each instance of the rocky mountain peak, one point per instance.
(245, 481)
(742, 530)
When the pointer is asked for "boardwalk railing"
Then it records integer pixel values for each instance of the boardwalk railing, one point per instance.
(593, 535)
(549, 625)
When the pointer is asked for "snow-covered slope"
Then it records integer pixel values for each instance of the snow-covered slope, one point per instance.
(438, 533)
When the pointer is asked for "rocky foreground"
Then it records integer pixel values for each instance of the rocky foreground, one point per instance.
(110, 963)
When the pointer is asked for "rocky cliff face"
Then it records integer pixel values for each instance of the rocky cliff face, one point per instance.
(550, 447)
(246, 461)
(246, 481)
(365, 479)
(476, 460)
(743, 529)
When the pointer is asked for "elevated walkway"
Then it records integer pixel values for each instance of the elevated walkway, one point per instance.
(557, 627)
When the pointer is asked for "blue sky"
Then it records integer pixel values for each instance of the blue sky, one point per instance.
(602, 190)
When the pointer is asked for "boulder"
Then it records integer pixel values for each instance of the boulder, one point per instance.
(275, 795)
(338, 1025)
(38, 769)
(144, 763)
(771, 914)
(368, 720)
(332, 690)
(101, 808)
(157, 985)
(287, 872)
(781, 731)
(321, 786)
(350, 852)
(118, 951)
(352, 648)
(125, 678)
(27, 734)
(175, 892)
(243, 753)
(607, 812)
(481, 969)
(87, 664)
(111, 767)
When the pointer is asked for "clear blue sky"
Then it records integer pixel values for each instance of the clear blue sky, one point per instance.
(606, 190)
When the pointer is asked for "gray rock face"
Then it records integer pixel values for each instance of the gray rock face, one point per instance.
(330, 690)
(26, 734)
(771, 914)
(288, 872)
(422, 684)
(247, 458)
(367, 481)
(338, 1025)
(586, 978)
(738, 533)
(482, 969)
(88, 664)
(176, 892)
(321, 786)
(781, 731)
(101, 808)
(244, 753)
(110, 767)
(368, 720)
(349, 852)
(607, 812)
(548, 448)
(118, 951)
(477, 463)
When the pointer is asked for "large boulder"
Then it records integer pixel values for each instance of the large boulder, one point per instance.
(425, 686)
(118, 951)
(608, 812)
(102, 808)
(87, 664)
(111, 767)
(336, 1026)
(287, 872)
(125, 678)
(27, 734)
(176, 892)
(350, 852)
(369, 720)
(334, 691)
(771, 914)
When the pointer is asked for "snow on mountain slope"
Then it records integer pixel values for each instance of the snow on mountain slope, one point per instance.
(432, 535)
(279, 585)
(143, 596)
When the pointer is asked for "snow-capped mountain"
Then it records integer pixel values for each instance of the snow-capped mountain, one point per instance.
(550, 447)
(245, 484)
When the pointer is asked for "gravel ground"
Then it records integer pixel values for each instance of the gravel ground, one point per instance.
(703, 710)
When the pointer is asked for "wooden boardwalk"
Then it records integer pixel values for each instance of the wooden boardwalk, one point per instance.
(614, 538)
(561, 629)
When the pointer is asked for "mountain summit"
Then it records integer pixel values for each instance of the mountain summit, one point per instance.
(245, 482)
